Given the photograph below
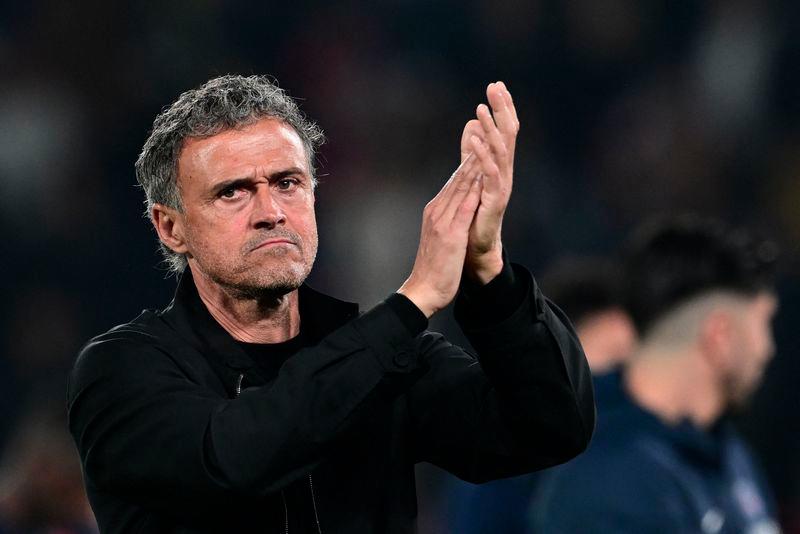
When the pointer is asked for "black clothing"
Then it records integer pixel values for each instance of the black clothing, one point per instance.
(271, 356)
(180, 430)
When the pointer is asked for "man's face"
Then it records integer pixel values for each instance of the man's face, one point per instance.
(753, 347)
(608, 338)
(248, 222)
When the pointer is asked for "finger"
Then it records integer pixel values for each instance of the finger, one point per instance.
(501, 112)
(460, 189)
(489, 168)
(467, 163)
(456, 186)
(492, 135)
(469, 205)
(510, 104)
(473, 127)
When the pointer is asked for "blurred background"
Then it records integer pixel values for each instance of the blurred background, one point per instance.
(628, 109)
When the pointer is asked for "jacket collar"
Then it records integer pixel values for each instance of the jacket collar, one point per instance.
(319, 315)
(623, 416)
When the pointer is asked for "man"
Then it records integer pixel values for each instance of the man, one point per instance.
(665, 458)
(253, 403)
(589, 291)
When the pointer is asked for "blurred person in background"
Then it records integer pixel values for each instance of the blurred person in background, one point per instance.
(589, 291)
(41, 491)
(254, 403)
(665, 457)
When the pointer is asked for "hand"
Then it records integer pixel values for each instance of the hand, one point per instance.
(446, 222)
(492, 138)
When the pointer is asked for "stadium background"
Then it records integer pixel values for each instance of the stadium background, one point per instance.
(628, 109)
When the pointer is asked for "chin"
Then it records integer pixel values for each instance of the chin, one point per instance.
(273, 283)
(740, 399)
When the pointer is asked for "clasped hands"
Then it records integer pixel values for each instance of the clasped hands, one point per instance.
(461, 225)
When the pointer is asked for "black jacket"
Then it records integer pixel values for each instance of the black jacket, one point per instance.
(180, 431)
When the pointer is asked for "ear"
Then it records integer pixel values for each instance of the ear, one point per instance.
(717, 338)
(169, 226)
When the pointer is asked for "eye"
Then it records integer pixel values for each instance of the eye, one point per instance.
(231, 192)
(287, 183)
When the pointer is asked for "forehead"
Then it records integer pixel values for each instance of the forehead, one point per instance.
(268, 144)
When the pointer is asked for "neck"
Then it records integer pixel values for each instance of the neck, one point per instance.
(265, 319)
(674, 385)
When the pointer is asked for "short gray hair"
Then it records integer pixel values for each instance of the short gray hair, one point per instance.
(224, 103)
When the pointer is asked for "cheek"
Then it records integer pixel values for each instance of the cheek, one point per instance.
(311, 240)
(214, 233)
(306, 223)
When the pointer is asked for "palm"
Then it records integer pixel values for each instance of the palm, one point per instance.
(496, 134)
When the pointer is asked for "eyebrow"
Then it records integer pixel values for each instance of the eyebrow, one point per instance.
(248, 180)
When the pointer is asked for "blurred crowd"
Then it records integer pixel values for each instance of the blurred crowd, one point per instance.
(628, 109)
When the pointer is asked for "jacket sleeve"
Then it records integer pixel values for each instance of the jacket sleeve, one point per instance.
(524, 404)
(145, 429)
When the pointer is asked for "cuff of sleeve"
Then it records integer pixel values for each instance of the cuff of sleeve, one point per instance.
(411, 316)
(495, 301)
(391, 335)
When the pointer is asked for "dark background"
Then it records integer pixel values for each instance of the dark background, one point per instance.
(628, 109)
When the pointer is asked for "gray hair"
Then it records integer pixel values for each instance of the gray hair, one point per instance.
(224, 103)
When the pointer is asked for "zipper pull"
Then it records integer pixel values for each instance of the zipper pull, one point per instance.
(238, 390)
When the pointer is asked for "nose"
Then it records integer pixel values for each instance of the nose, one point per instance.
(267, 210)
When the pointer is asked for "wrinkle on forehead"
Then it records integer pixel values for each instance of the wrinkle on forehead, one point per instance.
(268, 145)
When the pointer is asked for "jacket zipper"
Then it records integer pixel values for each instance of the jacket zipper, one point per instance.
(283, 495)
(285, 514)
(314, 503)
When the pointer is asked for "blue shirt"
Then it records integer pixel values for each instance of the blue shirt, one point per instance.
(642, 476)
(495, 507)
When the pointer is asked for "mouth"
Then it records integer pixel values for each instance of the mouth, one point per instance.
(276, 242)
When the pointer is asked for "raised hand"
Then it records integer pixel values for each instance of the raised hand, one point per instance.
(492, 138)
(446, 222)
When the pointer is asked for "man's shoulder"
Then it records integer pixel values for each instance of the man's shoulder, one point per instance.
(612, 483)
(144, 329)
(135, 343)
(606, 455)
(632, 455)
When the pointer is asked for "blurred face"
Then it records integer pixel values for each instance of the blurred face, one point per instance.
(248, 222)
(753, 347)
(608, 339)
